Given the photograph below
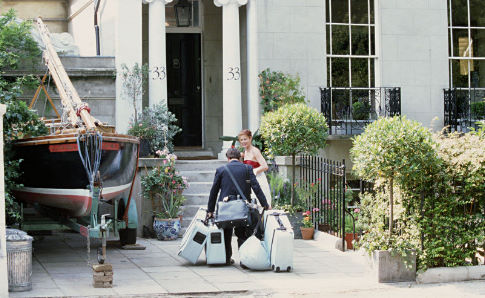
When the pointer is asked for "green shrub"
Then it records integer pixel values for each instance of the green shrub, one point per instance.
(277, 88)
(294, 129)
(16, 47)
(438, 195)
(477, 110)
(157, 125)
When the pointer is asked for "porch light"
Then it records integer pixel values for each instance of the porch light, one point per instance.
(183, 13)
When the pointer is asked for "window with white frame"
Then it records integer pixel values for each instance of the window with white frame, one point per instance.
(466, 30)
(350, 30)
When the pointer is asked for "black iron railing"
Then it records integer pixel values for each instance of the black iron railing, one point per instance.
(328, 177)
(349, 110)
(463, 108)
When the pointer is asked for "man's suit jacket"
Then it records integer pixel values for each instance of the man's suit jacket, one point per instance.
(223, 182)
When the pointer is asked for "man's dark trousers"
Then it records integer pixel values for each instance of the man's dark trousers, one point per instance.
(241, 234)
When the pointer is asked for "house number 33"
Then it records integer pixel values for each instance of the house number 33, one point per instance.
(233, 73)
(159, 73)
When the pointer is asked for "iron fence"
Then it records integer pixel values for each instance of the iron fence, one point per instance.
(349, 110)
(463, 108)
(327, 178)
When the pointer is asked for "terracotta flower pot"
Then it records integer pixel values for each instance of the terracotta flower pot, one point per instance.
(307, 233)
(349, 237)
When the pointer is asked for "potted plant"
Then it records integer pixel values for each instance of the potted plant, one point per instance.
(352, 228)
(307, 229)
(360, 110)
(156, 128)
(164, 186)
(277, 88)
(294, 129)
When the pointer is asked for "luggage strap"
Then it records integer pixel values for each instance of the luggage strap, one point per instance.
(235, 183)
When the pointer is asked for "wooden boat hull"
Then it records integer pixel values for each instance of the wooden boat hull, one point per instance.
(54, 176)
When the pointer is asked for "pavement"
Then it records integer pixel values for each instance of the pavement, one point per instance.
(61, 269)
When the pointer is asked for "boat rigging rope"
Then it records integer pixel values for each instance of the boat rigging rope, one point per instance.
(90, 153)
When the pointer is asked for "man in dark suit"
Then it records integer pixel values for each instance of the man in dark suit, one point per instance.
(223, 182)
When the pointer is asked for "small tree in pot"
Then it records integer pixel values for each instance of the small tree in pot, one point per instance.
(294, 129)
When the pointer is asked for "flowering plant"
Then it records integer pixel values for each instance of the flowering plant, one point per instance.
(307, 218)
(306, 190)
(164, 186)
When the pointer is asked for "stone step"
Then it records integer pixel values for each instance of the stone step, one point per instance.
(196, 199)
(199, 176)
(195, 154)
(199, 165)
(198, 188)
(189, 212)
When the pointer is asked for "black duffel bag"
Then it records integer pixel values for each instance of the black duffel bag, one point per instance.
(233, 211)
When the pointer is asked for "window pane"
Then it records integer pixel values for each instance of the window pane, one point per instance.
(360, 73)
(372, 41)
(477, 13)
(459, 12)
(478, 74)
(340, 11)
(459, 73)
(340, 40)
(372, 74)
(371, 6)
(328, 38)
(360, 40)
(478, 41)
(358, 11)
(327, 11)
(460, 43)
(329, 63)
(340, 72)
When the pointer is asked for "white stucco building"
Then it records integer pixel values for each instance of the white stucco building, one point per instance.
(345, 51)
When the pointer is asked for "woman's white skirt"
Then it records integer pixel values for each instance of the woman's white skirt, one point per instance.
(263, 183)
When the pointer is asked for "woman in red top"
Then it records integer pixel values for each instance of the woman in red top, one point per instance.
(252, 156)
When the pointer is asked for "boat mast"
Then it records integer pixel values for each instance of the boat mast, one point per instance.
(72, 104)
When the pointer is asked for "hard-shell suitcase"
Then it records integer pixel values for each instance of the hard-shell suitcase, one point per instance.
(194, 238)
(215, 250)
(278, 238)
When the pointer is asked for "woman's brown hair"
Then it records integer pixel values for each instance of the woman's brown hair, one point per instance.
(245, 132)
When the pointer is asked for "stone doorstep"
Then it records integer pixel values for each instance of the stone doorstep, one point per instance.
(451, 274)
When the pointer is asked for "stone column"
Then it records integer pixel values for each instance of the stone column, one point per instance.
(157, 52)
(231, 70)
(253, 69)
(3, 242)
(128, 50)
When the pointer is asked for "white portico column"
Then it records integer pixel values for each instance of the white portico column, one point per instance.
(252, 54)
(157, 55)
(231, 70)
(3, 242)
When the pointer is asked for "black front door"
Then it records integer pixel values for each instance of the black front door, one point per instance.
(184, 86)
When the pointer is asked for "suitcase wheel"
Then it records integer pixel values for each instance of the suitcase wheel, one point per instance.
(277, 269)
(288, 269)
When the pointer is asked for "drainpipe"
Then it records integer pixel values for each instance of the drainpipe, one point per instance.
(96, 26)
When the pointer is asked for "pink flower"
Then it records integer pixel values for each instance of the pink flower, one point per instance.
(140, 125)
(316, 209)
(313, 184)
(173, 182)
(356, 210)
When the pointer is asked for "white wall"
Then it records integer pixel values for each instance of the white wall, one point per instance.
(3, 242)
(128, 50)
(412, 49)
(292, 39)
(81, 27)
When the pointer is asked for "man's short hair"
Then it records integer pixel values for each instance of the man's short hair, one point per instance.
(233, 153)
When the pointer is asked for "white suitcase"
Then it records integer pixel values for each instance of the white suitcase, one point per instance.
(215, 251)
(278, 238)
(194, 238)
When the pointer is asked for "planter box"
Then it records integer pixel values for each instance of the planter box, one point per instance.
(393, 268)
(295, 221)
(451, 274)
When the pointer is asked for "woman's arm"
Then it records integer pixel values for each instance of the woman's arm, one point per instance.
(260, 159)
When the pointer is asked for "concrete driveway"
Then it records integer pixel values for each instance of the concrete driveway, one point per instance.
(60, 268)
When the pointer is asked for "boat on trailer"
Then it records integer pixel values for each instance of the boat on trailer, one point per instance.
(82, 173)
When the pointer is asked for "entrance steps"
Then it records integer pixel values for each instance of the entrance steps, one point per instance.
(200, 175)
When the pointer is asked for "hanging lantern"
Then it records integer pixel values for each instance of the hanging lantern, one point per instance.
(183, 13)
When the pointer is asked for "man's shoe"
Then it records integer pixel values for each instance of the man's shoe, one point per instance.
(230, 262)
(243, 266)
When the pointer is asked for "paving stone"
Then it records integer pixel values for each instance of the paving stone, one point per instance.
(138, 287)
(187, 286)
